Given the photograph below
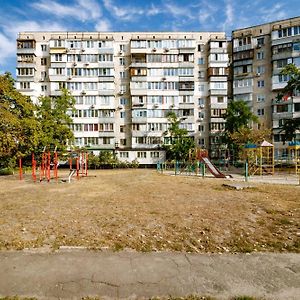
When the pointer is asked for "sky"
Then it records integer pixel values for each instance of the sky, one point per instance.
(132, 15)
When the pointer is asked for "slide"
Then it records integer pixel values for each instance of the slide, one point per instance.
(212, 168)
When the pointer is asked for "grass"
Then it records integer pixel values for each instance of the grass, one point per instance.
(147, 211)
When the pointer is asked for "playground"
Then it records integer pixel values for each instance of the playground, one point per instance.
(146, 210)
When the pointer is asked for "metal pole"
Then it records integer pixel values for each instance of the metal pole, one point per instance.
(20, 169)
(246, 171)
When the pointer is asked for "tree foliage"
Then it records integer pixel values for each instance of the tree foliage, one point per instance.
(180, 142)
(237, 116)
(53, 115)
(290, 126)
(26, 128)
(238, 130)
(19, 128)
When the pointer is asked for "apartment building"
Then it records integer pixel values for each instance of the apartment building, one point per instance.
(125, 83)
(259, 54)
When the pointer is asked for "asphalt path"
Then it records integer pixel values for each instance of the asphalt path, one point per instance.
(77, 273)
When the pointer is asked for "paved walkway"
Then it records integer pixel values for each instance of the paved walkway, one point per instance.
(72, 274)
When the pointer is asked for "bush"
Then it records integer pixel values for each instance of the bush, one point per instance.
(6, 171)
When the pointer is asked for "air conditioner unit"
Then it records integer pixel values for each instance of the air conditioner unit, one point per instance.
(156, 105)
(121, 52)
(200, 119)
(69, 78)
(166, 49)
(154, 49)
(74, 64)
(201, 105)
(86, 64)
(121, 92)
(120, 107)
(82, 50)
(83, 92)
(163, 78)
(257, 74)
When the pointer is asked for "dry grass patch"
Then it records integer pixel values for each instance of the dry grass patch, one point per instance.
(147, 211)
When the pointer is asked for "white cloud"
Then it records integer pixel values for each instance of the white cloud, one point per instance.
(126, 13)
(7, 47)
(103, 25)
(178, 11)
(206, 14)
(9, 33)
(83, 10)
(275, 12)
(229, 12)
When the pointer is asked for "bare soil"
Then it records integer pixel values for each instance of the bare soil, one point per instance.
(147, 211)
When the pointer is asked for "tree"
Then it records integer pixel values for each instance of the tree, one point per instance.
(19, 128)
(53, 115)
(237, 116)
(237, 127)
(290, 126)
(180, 142)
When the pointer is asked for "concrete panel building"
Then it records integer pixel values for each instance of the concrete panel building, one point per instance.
(126, 83)
(259, 54)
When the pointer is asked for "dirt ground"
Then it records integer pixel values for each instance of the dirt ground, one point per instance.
(147, 211)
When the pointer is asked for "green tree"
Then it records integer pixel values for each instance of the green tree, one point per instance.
(238, 119)
(19, 128)
(53, 114)
(180, 143)
(290, 126)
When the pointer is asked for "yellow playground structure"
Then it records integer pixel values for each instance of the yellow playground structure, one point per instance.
(294, 155)
(260, 158)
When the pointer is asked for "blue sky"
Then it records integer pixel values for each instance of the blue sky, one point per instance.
(132, 15)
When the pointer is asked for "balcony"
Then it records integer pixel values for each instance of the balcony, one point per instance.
(58, 50)
(139, 120)
(106, 78)
(218, 92)
(243, 48)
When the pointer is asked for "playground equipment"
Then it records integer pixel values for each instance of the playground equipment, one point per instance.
(196, 165)
(202, 155)
(81, 163)
(294, 155)
(260, 159)
(42, 165)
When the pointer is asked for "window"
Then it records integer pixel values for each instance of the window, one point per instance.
(107, 140)
(260, 41)
(122, 61)
(58, 57)
(24, 85)
(261, 69)
(44, 88)
(260, 98)
(201, 101)
(123, 101)
(220, 99)
(43, 61)
(201, 61)
(123, 74)
(260, 55)
(123, 142)
(260, 111)
(154, 154)
(44, 48)
(260, 83)
(124, 155)
(122, 114)
(142, 154)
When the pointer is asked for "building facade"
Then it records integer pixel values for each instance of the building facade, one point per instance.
(125, 84)
(258, 56)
